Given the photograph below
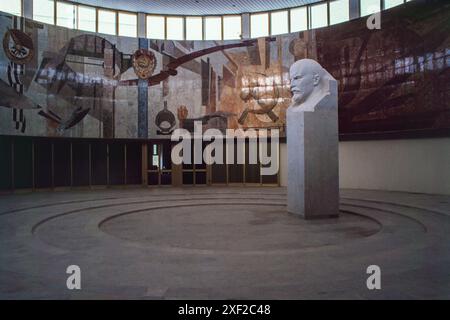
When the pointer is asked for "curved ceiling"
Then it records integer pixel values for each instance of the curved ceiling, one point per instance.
(196, 7)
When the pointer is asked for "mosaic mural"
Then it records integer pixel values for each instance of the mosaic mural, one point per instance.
(61, 82)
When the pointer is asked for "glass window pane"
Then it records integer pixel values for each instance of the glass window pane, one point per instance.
(232, 27)
(127, 24)
(106, 21)
(213, 28)
(155, 27)
(44, 11)
(279, 22)
(370, 7)
(299, 19)
(392, 3)
(194, 28)
(11, 6)
(318, 15)
(65, 14)
(86, 18)
(259, 25)
(175, 28)
(339, 11)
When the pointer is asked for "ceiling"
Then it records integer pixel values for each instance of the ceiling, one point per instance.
(196, 7)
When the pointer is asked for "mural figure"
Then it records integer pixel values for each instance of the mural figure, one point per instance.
(10, 98)
(216, 120)
(76, 92)
(77, 115)
(165, 121)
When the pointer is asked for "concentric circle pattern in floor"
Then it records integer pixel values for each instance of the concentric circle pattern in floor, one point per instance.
(221, 243)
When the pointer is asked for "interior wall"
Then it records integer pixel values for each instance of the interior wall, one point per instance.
(411, 165)
(418, 165)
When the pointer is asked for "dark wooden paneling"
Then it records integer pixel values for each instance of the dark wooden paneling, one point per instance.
(23, 165)
(117, 163)
(153, 179)
(5, 163)
(252, 171)
(166, 160)
(134, 163)
(43, 164)
(188, 178)
(166, 178)
(200, 178)
(99, 163)
(236, 171)
(80, 158)
(219, 171)
(61, 163)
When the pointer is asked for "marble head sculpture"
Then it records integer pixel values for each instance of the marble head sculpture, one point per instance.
(312, 142)
(310, 83)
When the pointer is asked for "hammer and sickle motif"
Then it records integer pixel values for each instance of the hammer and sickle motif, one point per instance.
(264, 90)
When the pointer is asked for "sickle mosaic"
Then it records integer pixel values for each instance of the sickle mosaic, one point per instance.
(18, 46)
(144, 63)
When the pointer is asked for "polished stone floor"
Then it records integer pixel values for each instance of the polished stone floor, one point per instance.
(221, 243)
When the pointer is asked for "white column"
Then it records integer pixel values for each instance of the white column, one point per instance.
(142, 32)
(27, 9)
(245, 26)
(354, 9)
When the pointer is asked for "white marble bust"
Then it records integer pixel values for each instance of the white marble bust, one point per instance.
(311, 85)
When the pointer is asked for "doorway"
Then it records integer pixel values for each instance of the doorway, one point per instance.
(159, 164)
